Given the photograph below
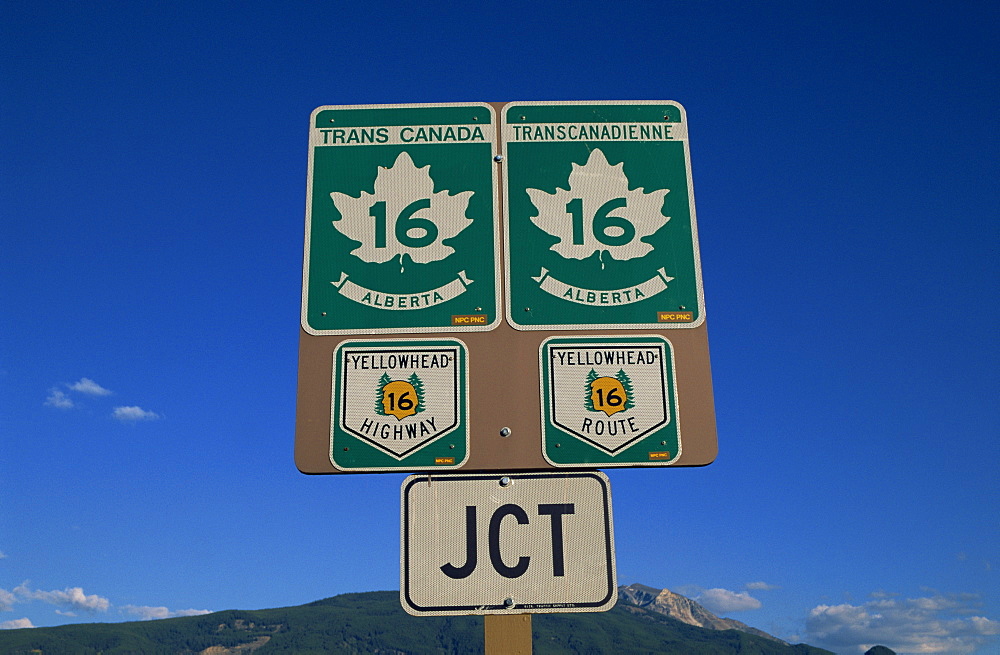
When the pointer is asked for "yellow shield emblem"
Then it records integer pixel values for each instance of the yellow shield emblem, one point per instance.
(608, 395)
(399, 399)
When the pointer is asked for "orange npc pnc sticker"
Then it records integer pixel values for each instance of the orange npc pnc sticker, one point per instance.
(674, 317)
(469, 319)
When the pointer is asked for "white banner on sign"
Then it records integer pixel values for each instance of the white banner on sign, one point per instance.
(396, 135)
(601, 297)
(507, 544)
(404, 301)
(549, 132)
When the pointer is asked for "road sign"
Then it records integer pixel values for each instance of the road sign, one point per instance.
(507, 544)
(400, 404)
(599, 234)
(600, 216)
(609, 401)
(401, 220)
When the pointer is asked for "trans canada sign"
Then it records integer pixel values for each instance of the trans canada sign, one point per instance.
(401, 220)
(600, 216)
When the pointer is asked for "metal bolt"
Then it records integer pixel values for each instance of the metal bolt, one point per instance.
(505, 481)
(504, 432)
(498, 158)
(663, 443)
(682, 307)
(508, 603)
(452, 446)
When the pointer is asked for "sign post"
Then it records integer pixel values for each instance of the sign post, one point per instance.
(497, 297)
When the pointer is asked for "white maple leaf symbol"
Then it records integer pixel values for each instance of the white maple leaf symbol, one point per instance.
(403, 217)
(599, 212)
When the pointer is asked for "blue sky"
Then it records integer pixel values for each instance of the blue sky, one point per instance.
(152, 175)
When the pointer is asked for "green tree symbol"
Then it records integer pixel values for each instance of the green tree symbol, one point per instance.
(588, 400)
(418, 386)
(384, 380)
(626, 381)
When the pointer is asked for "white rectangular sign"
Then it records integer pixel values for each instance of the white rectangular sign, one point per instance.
(490, 543)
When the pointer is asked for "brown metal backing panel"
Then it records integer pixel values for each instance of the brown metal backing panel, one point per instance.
(504, 391)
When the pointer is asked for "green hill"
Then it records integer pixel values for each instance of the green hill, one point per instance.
(374, 622)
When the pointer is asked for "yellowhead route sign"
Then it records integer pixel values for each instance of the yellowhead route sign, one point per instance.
(502, 287)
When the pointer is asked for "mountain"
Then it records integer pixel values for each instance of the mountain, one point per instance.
(880, 650)
(683, 609)
(374, 622)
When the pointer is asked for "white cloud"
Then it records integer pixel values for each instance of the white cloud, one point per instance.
(146, 613)
(761, 586)
(881, 593)
(134, 414)
(58, 399)
(70, 597)
(89, 387)
(3, 555)
(73, 599)
(15, 624)
(935, 624)
(7, 600)
(723, 600)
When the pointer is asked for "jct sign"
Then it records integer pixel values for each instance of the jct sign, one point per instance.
(493, 544)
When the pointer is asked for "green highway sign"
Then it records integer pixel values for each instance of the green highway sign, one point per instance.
(609, 401)
(600, 216)
(400, 405)
(401, 220)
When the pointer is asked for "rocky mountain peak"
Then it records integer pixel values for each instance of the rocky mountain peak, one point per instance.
(682, 608)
